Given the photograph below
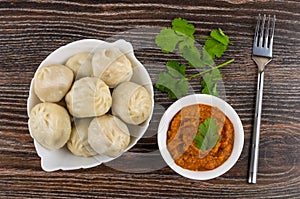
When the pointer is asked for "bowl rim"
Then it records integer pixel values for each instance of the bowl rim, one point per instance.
(208, 100)
(69, 50)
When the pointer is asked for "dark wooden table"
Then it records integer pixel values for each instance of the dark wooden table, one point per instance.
(30, 30)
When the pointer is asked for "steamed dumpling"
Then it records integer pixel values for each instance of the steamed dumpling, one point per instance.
(108, 135)
(78, 142)
(50, 125)
(52, 82)
(132, 103)
(80, 64)
(88, 97)
(112, 66)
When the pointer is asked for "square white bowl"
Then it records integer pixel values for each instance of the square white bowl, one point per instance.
(62, 158)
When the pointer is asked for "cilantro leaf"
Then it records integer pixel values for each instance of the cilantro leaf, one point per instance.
(167, 39)
(198, 139)
(173, 81)
(190, 52)
(181, 34)
(174, 87)
(217, 44)
(175, 65)
(209, 82)
(207, 136)
(183, 26)
(213, 139)
(206, 59)
(220, 36)
(214, 48)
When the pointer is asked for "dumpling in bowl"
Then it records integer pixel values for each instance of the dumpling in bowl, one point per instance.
(88, 97)
(108, 135)
(132, 103)
(78, 142)
(50, 125)
(112, 66)
(80, 64)
(52, 82)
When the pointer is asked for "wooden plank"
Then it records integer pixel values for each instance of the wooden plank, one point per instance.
(31, 30)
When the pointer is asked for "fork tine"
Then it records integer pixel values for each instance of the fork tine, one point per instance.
(267, 33)
(261, 37)
(272, 33)
(256, 31)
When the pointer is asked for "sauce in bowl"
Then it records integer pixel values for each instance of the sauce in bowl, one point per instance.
(182, 130)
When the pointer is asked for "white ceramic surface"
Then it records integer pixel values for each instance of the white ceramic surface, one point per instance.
(63, 158)
(208, 100)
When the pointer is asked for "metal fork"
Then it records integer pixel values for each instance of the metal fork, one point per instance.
(261, 55)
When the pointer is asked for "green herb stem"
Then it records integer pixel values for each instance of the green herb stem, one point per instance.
(208, 70)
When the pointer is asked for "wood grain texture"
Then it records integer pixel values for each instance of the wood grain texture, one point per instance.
(31, 30)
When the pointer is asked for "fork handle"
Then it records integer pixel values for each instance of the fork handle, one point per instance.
(256, 129)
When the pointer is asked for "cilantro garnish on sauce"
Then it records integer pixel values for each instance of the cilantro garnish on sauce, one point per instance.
(180, 38)
(207, 136)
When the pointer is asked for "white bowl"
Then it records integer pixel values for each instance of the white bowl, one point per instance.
(63, 158)
(208, 100)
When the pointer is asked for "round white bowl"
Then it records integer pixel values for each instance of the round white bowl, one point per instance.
(63, 158)
(208, 100)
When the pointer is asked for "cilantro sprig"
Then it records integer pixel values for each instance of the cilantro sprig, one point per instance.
(180, 38)
(207, 136)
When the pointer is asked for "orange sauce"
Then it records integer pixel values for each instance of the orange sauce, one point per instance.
(181, 133)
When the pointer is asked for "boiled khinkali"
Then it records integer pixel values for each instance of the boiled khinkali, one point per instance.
(112, 66)
(88, 97)
(108, 135)
(78, 142)
(50, 125)
(81, 65)
(132, 103)
(52, 82)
